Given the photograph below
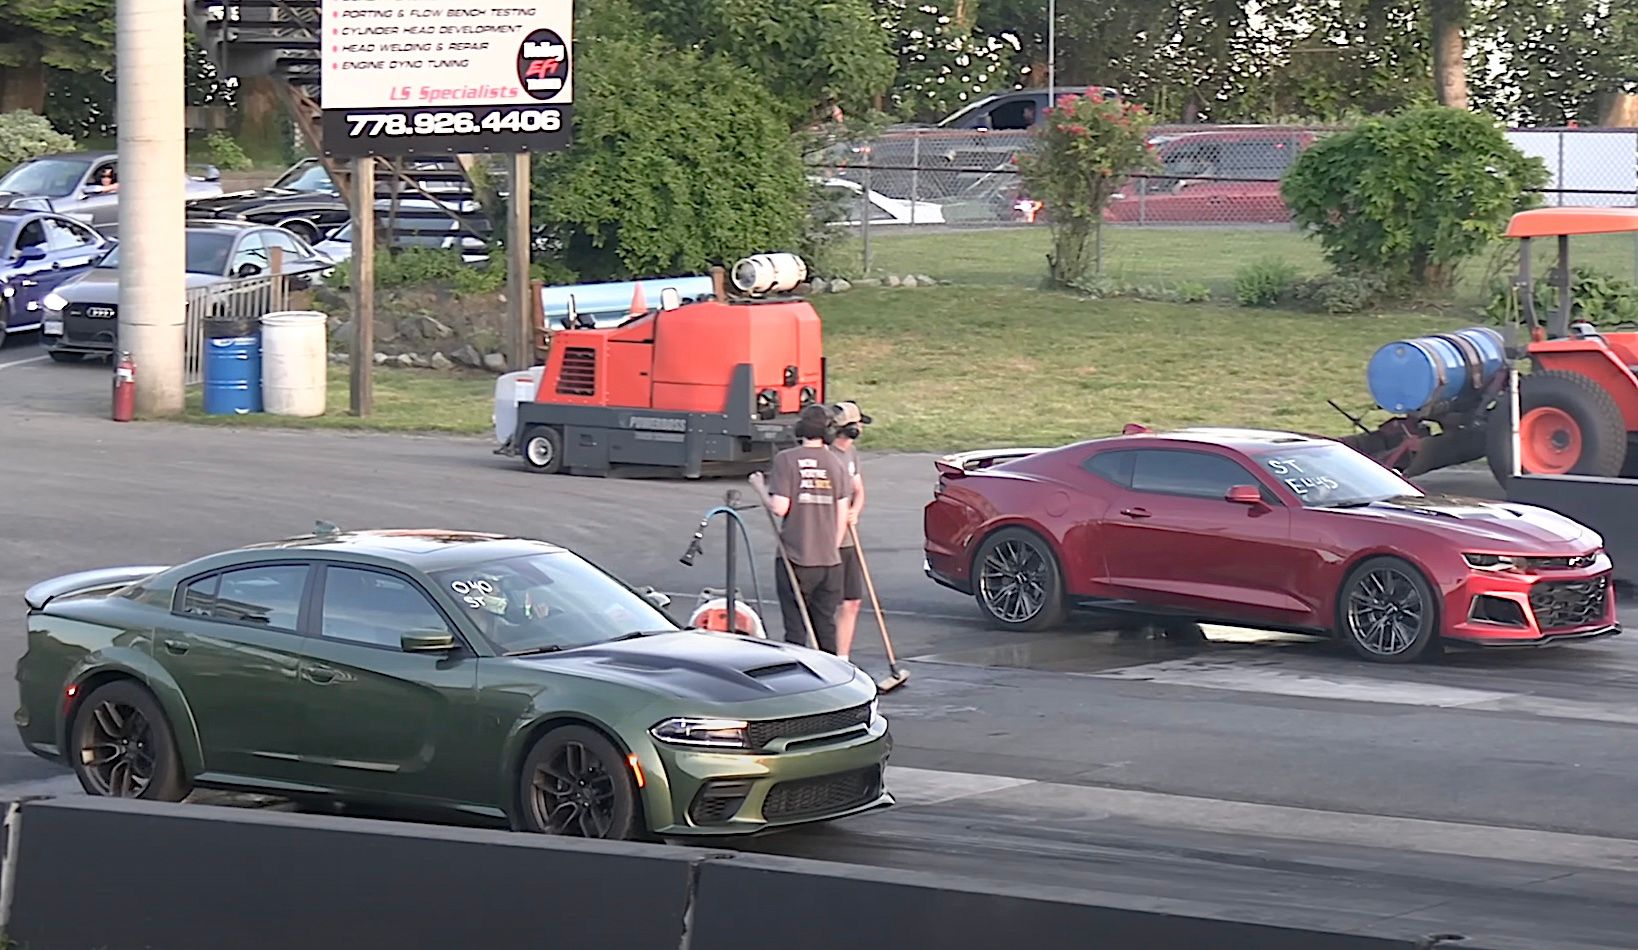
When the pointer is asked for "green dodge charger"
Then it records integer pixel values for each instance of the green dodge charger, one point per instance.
(494, 676)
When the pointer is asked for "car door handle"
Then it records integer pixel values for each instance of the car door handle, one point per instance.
(1136, 512)
(178, 647)
(318, 674)
(31, 283)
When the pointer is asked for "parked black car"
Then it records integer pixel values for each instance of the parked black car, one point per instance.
(303, 201)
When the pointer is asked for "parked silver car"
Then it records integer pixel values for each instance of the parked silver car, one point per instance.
(85, 185)
(81, 316)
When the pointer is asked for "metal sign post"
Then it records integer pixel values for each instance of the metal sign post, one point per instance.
(518, 305)
(402, 80)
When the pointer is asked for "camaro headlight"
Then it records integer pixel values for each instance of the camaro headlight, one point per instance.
(55, 301)
(1494, 562)
(712, 733)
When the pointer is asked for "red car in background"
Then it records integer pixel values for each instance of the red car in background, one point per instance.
(1225, 176)
(1258, 529)
(1217, 177)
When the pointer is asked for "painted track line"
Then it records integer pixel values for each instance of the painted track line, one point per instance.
(24, 362)
(919, 788)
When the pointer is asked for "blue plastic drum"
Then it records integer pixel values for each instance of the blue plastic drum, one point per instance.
(233, 375)
(1426, 374)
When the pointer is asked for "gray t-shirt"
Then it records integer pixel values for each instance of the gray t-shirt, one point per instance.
(850, 464)
(816, 482)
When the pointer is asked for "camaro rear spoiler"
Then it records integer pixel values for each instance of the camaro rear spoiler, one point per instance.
(105, 579)
(961, 463)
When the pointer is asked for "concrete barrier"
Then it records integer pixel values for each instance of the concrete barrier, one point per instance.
(738, 903)
(101, 874)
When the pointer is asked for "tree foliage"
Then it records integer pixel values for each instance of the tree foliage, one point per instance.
(1084, 146)
(944, 62)
(1413, 196)
(681, 158)
(63, 34)
(25, 135)
(811, 54)
(1555, 63)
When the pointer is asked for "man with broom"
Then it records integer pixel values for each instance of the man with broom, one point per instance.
(848, 422)
(809, 488)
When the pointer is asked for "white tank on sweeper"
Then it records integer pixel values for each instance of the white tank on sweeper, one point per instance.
(511, 389)
(295, 362)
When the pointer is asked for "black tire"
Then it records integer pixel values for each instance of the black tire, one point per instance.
(1017, 581)
(63, 356)
(302, 228)
(125, 719)
(575, 783)
(1372, 586)
(542, 449)
(1602, 428)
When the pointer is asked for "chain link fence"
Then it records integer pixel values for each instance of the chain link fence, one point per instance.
(1218, 179)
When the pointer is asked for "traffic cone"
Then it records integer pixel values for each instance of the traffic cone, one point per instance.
(638, 305)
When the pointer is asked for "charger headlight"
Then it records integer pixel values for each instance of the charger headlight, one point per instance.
(705, 732)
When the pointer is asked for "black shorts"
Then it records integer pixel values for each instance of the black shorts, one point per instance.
(852, 574)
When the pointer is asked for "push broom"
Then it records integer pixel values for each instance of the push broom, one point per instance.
(790, 572)
(899, 676)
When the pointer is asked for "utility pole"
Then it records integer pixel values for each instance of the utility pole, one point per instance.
(148, 55)
(1052, 48)
(519, 307)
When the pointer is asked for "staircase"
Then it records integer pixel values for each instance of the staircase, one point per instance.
(425, 201)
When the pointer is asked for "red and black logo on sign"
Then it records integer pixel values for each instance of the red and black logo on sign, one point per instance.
(543, 64)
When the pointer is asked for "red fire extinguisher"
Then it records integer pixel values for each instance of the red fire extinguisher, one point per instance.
(124, 389)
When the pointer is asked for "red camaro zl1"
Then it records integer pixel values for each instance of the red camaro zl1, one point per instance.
(1259, 529)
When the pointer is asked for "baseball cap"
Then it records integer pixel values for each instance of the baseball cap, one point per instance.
(847, 413)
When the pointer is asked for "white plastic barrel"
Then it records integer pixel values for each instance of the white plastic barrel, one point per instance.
(511, 389)
(295, 363)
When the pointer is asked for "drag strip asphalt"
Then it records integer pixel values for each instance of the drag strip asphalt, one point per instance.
(1276, 774)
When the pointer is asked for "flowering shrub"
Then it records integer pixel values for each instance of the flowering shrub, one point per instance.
(1084, 146)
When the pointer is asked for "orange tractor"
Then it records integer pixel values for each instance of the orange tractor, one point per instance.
(1578, 405)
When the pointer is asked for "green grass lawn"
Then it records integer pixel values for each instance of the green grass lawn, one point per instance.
(406, 400)
(953, 367)
(1016, 257)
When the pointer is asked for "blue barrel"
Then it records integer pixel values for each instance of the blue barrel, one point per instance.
(1427, 374)
(233, 375)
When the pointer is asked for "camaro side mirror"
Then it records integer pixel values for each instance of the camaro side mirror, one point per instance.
(655, 597)
(427, 641)
(1245, 495)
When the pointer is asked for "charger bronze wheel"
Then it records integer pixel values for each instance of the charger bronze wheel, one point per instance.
(122, 745)
(575, 783)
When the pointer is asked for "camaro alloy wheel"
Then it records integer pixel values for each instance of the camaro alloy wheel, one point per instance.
(1018, 582)
(1388, 611)
(575, 784)
(123, 746)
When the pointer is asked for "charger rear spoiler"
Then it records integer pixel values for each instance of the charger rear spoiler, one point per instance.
(962, 463)
(103, 580)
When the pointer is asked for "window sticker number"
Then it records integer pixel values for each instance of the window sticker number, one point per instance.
(469, 591)
(1284, 466)
(1302, 485)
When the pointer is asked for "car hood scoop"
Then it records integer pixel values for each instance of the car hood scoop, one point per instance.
(716, 667)
(1490, 521)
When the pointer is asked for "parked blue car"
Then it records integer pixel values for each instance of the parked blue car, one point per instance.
(38, 251)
